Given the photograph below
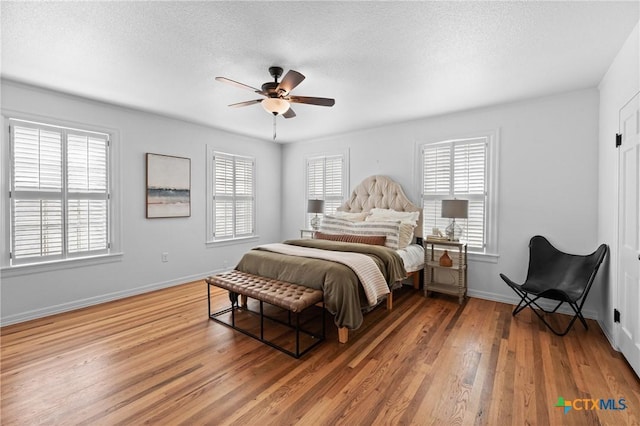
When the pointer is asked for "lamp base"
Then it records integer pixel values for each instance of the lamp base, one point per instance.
(454, 231)
(315, 222)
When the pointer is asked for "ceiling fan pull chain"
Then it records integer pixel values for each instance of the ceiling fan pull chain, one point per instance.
(274, 128)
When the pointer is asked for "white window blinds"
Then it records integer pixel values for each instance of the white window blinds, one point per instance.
(457, 169)
(59, 192)
(325, 181)
(233, 196)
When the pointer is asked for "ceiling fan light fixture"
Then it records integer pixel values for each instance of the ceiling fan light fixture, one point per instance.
(275, 105)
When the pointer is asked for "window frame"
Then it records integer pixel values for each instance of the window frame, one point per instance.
(114, 228)
(344, 155)
(490, 251)
(210, 190)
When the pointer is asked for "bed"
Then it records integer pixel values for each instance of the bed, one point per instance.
(339, 262)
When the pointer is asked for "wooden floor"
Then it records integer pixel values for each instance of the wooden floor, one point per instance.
(158, 359)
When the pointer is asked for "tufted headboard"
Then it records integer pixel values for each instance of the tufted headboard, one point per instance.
(381, 192)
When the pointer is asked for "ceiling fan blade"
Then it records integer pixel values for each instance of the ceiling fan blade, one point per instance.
(240, 85)
(246, 103)
(289, 113)
(289, 82)
(311, 101)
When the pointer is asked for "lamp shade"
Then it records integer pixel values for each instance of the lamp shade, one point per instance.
(456, 209)
(315, 206)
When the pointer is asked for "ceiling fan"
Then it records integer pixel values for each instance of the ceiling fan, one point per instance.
(277, 96)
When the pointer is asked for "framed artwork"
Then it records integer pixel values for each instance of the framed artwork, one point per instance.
(168, 186)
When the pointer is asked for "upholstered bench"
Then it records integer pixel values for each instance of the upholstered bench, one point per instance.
(293, 298)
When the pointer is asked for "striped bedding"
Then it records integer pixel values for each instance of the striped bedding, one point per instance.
(391, 230)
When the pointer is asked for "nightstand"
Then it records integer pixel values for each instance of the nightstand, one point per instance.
(307, 233)
(445, 279)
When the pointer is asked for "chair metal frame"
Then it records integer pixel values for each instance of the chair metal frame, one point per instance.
(532, 289)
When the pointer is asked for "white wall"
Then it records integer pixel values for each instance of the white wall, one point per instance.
(140, 268)
(548, 178)
(619, 85)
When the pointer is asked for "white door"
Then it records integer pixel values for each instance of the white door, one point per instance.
(629, 234)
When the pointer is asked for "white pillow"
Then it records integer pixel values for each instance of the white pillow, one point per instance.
(391, 230)
(354, 217)
(390, 214)
(408, 221)
(406, 234)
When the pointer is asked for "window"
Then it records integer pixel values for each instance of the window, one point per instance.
(462, 169)
(59, 193)
(326, 178)
(233, 197)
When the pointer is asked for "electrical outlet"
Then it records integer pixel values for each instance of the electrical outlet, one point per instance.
(165, 257)
(225, 263)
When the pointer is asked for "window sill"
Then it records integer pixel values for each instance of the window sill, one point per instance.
(56, 265)
(483, 257)
(234, 241)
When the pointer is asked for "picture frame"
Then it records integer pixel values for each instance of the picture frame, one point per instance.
(168, 186)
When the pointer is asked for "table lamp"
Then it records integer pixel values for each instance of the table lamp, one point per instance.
(315, 206)
(455, 209)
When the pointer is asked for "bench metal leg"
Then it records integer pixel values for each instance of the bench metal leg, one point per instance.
(261, 322)
(297, 328)
(297, 334)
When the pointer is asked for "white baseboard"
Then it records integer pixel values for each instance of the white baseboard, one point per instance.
(514, 300)
(96, 300)
(607, 334)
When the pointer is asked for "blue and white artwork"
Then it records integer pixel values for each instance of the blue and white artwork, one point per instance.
(168, 186)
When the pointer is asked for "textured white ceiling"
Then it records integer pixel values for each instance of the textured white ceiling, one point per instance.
(383, 62)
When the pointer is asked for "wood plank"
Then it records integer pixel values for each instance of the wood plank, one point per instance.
(157, 358)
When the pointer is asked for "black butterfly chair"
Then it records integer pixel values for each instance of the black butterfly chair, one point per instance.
(563, 277)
